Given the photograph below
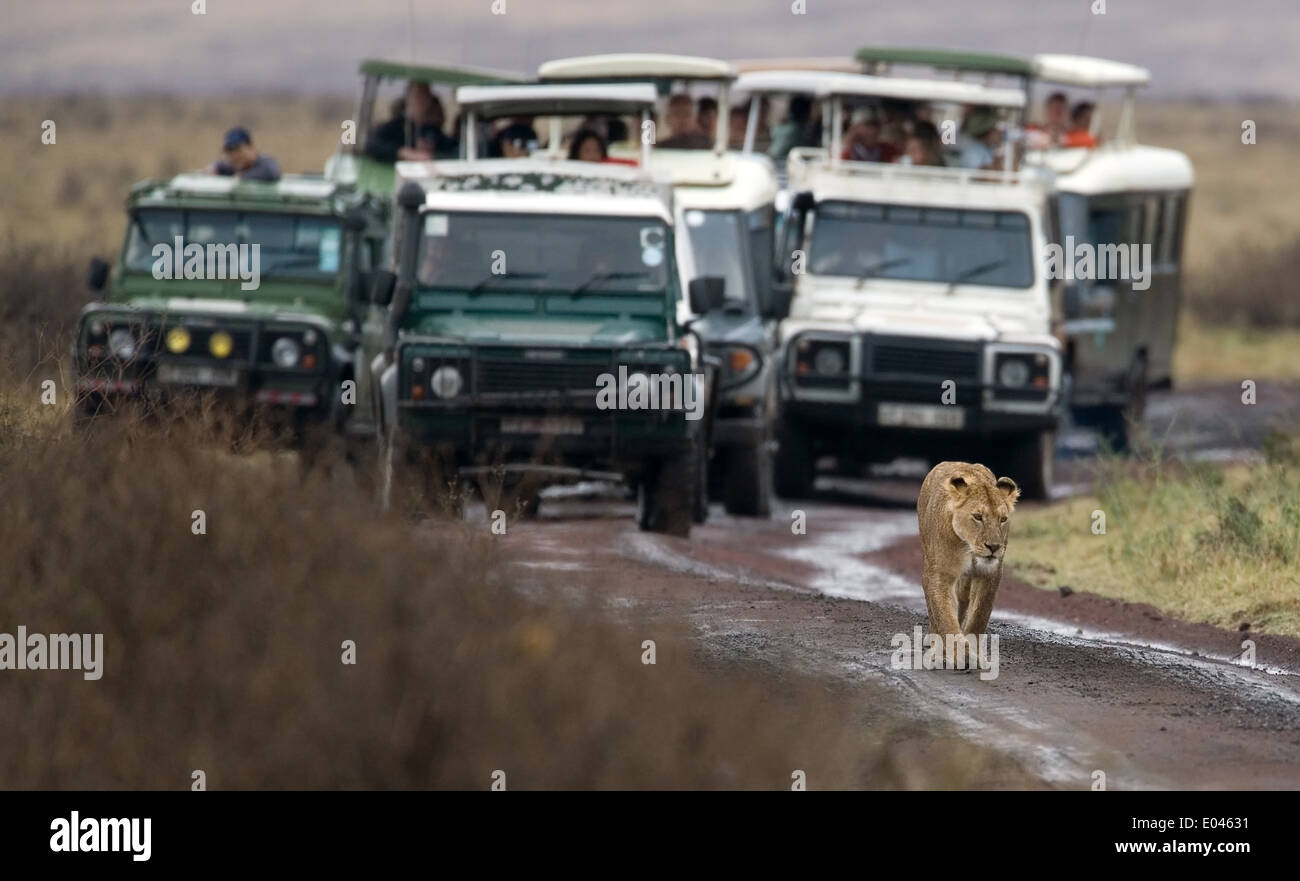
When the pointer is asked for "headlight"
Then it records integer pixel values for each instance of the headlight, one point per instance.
(446, 381)
(178, 340)
(285, 352)
(220, 344)
(829, 360)
(1013, 372)
(122, 343)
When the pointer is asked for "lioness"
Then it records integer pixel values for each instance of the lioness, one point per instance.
(963, 511)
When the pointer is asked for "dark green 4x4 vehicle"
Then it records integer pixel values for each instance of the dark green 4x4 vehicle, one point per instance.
(251, 289)
(532, 328)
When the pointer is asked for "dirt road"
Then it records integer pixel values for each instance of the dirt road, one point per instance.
(1084, 684)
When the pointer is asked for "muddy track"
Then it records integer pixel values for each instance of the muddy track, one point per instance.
(1084, 683)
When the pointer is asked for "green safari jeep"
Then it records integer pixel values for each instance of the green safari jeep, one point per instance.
(566, 363)
(250, 289)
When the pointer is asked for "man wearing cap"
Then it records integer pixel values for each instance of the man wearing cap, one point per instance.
(243, 160)
(985, 137)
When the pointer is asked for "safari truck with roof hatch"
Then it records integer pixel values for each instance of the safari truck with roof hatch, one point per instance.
(726, 200)
(921, 319)
(383, 85)
(532, 328)
(1120, 209)
(249, 289)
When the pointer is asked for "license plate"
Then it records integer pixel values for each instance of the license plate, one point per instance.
(921, 416)
(541, 425)
(197, 374)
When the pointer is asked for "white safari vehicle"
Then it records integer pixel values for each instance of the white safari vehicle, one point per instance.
(921, 319)
(531, 329)
(726, 202)
(1119, 204)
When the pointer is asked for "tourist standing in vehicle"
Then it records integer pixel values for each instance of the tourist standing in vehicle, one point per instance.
(242, 159)
(985, 138)
(1080, 133)
(415, 134)
(681, 120)
(587, 146)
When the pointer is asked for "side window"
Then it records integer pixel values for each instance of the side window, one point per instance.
(1150, 223)
(761, 250)
(1171, 241)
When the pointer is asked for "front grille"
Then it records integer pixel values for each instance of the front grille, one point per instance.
(507, 377)
(967, 394)
(924, 359)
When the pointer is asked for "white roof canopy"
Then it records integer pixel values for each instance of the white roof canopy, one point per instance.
(630, 65)
(567, 99)
(827, 63)
(827, 85)
(1080, 70)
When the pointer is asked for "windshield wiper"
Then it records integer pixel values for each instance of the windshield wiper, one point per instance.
(876, 268)
(477, 288)
(967, 274)
(605, 276)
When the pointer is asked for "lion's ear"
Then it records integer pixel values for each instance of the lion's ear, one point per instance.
(1009, 489)
(957, 486)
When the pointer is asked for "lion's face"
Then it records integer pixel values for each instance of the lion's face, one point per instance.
(981, 512)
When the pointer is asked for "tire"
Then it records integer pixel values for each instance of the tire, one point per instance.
(700, 511)
(747, 481)
(667, 498)
(793, 467)
(1119, 427)
(1029, 461)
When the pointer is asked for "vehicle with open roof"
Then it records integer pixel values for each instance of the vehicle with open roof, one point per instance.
(534, 327)
(250, 289)
(1117, 203)
(381, 85)
(921, 319)
(726, 199)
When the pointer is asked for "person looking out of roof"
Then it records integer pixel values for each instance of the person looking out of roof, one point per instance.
(515, 141)
(706, 117)
(862, 143)
(414, 134)
(587, 146)
(241, 158)
(981, 126)
(798, 130)
(686, 133)
(1056, 117)
(923, 146)
(1080, 133)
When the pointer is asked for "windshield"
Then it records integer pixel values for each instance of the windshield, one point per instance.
(718, 243)
(909, 243)
(294, 245)
(479, 251)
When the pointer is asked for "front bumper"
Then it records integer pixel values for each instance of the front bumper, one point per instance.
(904, 390)
(246, 375)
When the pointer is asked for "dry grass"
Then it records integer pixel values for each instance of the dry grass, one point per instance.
(223, 651)
(1201, 542)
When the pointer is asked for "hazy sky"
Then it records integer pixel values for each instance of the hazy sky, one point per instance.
(1213, 47)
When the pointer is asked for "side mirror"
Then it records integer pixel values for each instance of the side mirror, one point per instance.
(381, 290)
(707, 293)
(365, 285)
(803, 202)
(778, 304)
(97, 274)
